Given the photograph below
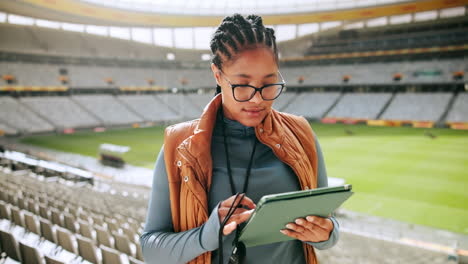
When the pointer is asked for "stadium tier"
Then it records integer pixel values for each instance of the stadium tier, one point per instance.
(312, 105)
(459, 111)
(60, 111)
(150, 108)
(428, 71)
(21, 118)
(66, 221)
(421, 107)
(60, 42)
(187, 108)
(107, 109)
(70, 69)
(358, 248)
(451, 32)
(46, 113)
(360, 105)
(92, 76)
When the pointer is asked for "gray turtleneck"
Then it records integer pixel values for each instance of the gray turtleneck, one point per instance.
(269, 175)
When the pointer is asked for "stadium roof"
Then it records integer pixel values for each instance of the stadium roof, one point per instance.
(208, 13)
(227, 7)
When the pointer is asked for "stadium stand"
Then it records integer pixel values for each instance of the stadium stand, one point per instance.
(68, 207)
(107, 108)
(92, 76)
(60, 42)
(312, 105)
(417, 106)
(284, 100)
(149, 107)
(360, 106)
(416, 35)
(186, 107)
(363, 249)
(428, 71)
(200, 100)
(7, 130)
(21, 118)
(35, 58)
(65, 221)
(459, 111)
(60, 111)
(33, 74)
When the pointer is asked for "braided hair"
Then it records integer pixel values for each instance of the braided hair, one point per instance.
(237, 33)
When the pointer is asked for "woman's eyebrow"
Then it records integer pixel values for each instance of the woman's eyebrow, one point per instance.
(243, 75)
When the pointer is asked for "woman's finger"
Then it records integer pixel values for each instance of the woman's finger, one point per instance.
(235, 220)
(293, 234)
(246, 202)
(324, 223)
(229, 228)
(303, 222)
(306, 231)
(224, 210)
(240, 218)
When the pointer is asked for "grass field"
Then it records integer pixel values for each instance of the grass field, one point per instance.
(399, 173)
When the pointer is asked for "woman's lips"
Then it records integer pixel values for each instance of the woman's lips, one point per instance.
(253, 112)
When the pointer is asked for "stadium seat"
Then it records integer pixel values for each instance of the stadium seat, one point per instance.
(3, 195)
(43, 199)
(12, 199)
(44, 211)
(47, 230)
(66, 239)
(83, 215)
(52, 260)
(17, 216)
(56, 217)
(32, 207)
(129, 232)
(4, 210)
(72, 210)
(123, 244)
(87, 249)
(21, 203)
(29, 254)
(110, 256)
(31, 223)
(103, 237)
(70, 222)
(10, 245)
(133, 260)
(85, 229)
(112, 225)
(139, 251)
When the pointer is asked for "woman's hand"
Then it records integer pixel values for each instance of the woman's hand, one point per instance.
(241, 214)
(310, 229)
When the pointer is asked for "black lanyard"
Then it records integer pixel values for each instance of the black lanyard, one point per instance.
(228, 162)
(239, 251)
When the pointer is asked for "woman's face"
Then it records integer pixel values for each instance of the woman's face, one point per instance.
(256, 67)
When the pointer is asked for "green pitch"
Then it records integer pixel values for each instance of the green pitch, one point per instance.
(414, 175)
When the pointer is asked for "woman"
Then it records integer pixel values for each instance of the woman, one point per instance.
(239, 145)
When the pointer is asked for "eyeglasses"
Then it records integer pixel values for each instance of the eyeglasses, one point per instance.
(245, 92)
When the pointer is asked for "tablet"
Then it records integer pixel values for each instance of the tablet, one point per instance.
(274, 211)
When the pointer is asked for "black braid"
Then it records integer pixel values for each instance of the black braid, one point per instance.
(235, 33)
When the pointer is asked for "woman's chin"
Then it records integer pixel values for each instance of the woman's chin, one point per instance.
(250, 120)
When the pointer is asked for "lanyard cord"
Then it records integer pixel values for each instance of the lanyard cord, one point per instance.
(228, 162)
(234, 205)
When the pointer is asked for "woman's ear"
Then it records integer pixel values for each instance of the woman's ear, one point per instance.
(216, 74)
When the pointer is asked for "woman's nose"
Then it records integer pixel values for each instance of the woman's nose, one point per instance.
(257, 98)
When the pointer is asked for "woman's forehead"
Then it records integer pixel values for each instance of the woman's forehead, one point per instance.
(257, 63)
